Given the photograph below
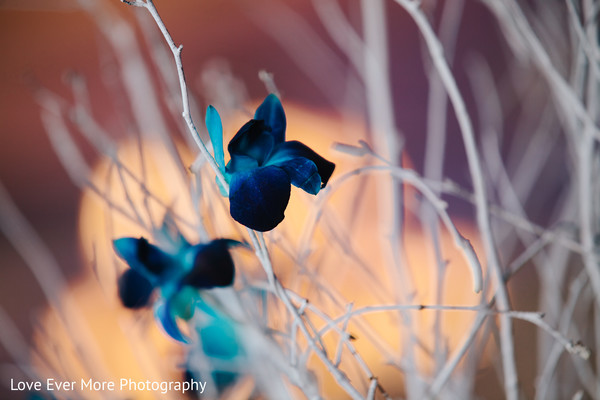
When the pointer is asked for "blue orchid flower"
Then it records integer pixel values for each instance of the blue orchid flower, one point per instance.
(177, 274)
(221, 347)
(264, 165)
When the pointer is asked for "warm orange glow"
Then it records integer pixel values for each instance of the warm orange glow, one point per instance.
(390, 326)
(356, 274)
(126, 346)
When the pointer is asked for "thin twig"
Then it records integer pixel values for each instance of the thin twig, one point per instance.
(412, 178)
(176, 50)
(280, 292)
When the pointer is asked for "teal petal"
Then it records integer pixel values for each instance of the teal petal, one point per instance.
(145, 258)
(182, 303)
(218, 335)
(219, 339)
(215, 131)
(240, 162)
(222, 189)
(162, 312)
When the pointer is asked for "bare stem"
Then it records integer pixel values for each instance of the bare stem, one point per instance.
(187, 117)
(280, 292)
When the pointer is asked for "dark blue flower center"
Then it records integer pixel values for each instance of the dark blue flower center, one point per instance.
(253, 140)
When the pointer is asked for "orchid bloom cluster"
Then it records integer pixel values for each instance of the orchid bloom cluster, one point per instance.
(173, 276)
(264, 165)
(178, 272)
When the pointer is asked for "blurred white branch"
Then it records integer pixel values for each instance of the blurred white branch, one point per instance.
(483, 217)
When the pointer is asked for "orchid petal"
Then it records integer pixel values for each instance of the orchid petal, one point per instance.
(224, 379)
(303, 173)
(241, 162)
(219, 339)
(258, 198)
(213, 265)
(252, 140)
(221, 187)
(147, 259)
(215, 131)
(162, 312)
(134, 289)
(271, 111)
(288, 151)
(182, 303)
